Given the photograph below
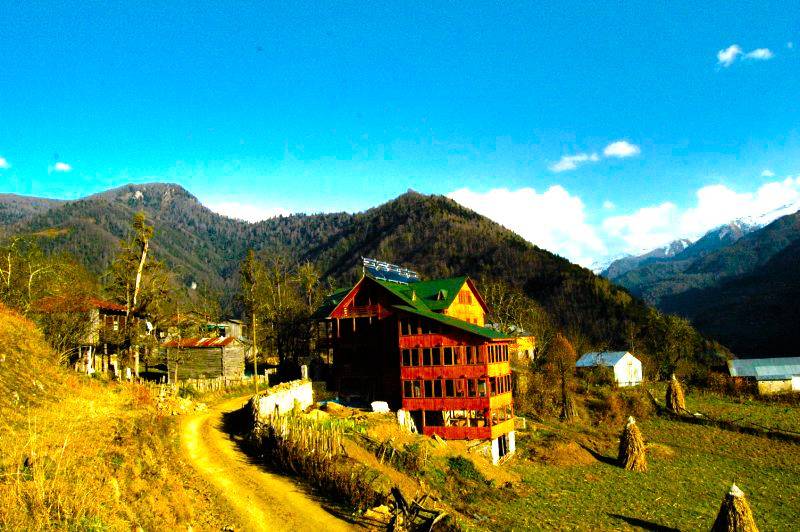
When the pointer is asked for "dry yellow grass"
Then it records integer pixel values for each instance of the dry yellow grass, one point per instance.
(78, 453)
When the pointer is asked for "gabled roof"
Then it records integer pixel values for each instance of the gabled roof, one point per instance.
(220, 341)
(331, 302)
(600, 358)
(477, 330)
(760, 368)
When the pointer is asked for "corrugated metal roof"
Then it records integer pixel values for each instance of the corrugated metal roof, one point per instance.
(220, 341)
(775, 373)
(75, 304)
(749, 367)
(600, 358)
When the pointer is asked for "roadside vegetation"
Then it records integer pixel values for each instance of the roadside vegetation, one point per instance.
(85, 454)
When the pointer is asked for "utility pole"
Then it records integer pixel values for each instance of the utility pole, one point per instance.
(255, 352)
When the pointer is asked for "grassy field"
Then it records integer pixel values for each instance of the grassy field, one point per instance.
(690, 470)
(743, 410)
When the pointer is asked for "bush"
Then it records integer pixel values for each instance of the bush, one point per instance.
(464, 468)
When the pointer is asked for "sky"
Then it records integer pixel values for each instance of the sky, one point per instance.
(591, 129)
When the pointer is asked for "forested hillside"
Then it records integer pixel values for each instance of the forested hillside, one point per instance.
(754, 314)
(431, 234)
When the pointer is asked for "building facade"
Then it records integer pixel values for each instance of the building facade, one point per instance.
(422, 346)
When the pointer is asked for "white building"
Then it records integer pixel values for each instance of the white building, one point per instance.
(627, 368)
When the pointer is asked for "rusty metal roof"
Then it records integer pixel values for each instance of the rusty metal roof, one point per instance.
(75, 304)
(199, 343)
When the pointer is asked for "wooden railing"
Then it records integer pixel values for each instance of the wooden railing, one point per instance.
(362, 311)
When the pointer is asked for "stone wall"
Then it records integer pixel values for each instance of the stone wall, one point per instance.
(282, 399)
(770, 387)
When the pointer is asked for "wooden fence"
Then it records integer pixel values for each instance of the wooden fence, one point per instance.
(210, 384)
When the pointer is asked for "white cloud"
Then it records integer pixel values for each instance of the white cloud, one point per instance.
(767, 173)
(715, 205)
(621, 148)
(571, 162)
(609, 205)
(790, 45)
(727, 56)
(62, 167)
(246, 211)
(760, 54)
(554, 219)
(646, 228)
(4, 163)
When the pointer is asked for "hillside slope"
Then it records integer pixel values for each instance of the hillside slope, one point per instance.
(754, 314)
(431, 234)
(81, 454)
(728, 251)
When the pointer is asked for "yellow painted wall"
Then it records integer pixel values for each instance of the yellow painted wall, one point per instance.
(469, 312)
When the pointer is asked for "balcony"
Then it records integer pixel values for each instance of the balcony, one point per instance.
(364, 311)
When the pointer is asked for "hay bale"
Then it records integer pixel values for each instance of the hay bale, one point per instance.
(675, 400)
(734, 514)
(632, 450)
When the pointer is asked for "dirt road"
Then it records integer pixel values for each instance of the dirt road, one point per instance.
(261, 500)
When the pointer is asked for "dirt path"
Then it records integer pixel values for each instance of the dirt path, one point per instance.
(262, 500)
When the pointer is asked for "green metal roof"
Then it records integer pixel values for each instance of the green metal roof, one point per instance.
(422, 298)
(477, 330)
(330, 303)
(436, 294)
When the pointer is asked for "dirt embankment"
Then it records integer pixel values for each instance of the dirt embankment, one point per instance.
(261, 499)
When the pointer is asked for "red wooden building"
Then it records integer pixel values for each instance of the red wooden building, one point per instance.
(422, 346)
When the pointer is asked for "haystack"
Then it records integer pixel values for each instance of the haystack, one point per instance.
(734, 514)
(675, 400)
(632, 450)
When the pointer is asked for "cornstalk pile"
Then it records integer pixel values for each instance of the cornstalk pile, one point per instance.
(675, 400)
(632, 450)
(734, 514)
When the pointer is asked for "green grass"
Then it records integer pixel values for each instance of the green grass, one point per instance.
(745, 410)
(682, 492)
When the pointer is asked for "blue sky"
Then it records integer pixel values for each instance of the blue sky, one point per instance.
(260, 108)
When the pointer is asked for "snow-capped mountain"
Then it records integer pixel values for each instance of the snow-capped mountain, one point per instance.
(616, 267)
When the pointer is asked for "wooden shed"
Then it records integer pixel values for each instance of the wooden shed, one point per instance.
(194, 358)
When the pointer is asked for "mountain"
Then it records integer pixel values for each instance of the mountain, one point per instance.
(15, 208)
(660, 273)
(627, 263)
(431, 234)
(755, 314)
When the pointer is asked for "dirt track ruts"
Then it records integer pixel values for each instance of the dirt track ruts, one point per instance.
(261, 500)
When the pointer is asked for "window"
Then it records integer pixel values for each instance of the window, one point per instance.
(449, 388)
(481, 388)
(437, 388)
(426, 356)
(406, 357)
(458, 355)
(116, 323)
(448, 356)
(460, 388)
(470, 354)
(428, 388)
(465, 297)
(437, 356)
(493, 385)
(415, 357)
(471, 388)
(417, 388)
(407, 389)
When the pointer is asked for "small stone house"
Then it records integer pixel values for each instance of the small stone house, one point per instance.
(195, 358)
(627, 368)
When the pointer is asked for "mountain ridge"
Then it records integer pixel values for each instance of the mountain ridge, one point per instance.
(431, 234)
